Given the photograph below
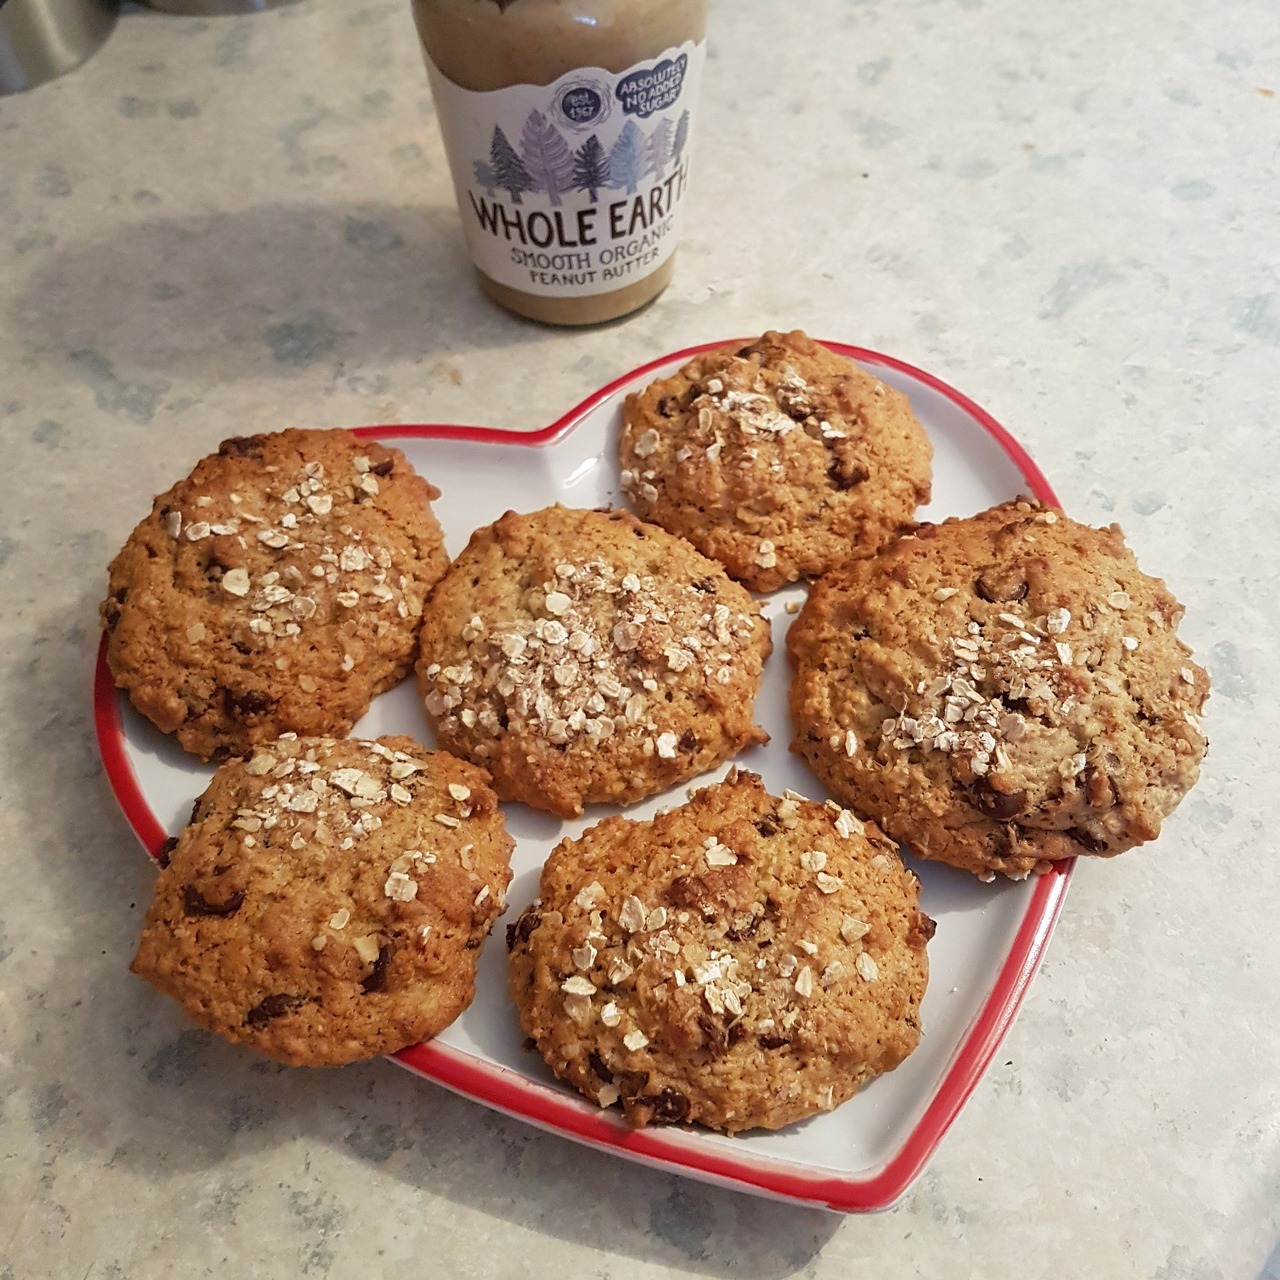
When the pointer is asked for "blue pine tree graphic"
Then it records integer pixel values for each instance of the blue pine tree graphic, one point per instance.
(485, 178)
(546, 156)
(627, 159)
(658, 151)
(591, 168)
(681, 138)
(507, 168)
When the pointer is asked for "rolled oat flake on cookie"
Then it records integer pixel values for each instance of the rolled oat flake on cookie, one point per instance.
(1013, 688)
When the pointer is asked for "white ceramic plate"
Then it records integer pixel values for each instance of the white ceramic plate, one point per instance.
(990, 938)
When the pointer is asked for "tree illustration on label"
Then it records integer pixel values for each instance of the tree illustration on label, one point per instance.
(627, 159)
(590, 168)
(658, 149)
(485, 178)
(507, 168)
(681, 138)
(547, 157)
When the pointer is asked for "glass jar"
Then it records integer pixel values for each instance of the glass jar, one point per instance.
(568, 128)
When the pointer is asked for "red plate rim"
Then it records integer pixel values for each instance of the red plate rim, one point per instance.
(549, 1108)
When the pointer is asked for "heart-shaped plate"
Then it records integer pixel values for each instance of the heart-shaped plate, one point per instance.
(990, 939)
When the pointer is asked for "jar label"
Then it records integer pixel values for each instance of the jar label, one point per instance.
(574, 187)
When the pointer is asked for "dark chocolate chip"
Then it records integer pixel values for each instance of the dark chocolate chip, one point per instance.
(1007, 840)
(377, 978)
(997, 804)
(163, 852)
(768, 825)
(688, 740)
(272, 1007)
(632, 1084)
(716, 1034)
(384, 467)
(771, 1041)
(922, 929)
(598, 1066)
(521, 930)
(667, 1107)
(1001, 585)
(1087, 841)
(687, 891)
(846, 474)
(194, 903)
(111, 607)
(248, 703)
(241, 447)
(1099, 788)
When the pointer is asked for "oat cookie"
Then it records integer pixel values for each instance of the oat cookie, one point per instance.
(780, 458)
(1000, 692)
(741, 962)
(276, 589)
(330, 897)
(582, 656)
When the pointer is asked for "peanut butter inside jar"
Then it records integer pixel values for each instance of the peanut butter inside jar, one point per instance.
(570, 181)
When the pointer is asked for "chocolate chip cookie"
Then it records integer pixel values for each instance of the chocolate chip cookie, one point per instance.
(329, 899)
(779, 458)
(1000, 692)
(740, 962)
(583, 657)
(276, 589)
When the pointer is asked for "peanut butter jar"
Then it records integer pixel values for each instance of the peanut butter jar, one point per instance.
(569, 126)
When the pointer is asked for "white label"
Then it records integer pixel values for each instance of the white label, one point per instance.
(574, 187)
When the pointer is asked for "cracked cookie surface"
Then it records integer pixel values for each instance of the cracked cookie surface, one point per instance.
(743, 961)
(1000, 692)
(778, 458)
(276, 589)
(329, 898)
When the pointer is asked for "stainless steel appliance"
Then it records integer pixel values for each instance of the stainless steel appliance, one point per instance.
(41, 39)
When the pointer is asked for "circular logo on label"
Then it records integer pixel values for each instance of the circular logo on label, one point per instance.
(583, 104)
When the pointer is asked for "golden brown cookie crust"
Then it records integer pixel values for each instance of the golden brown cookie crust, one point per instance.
(1000, 692)
(276, 589)
(585, 657)
(778, 458)
(329, 899)
(740, 962)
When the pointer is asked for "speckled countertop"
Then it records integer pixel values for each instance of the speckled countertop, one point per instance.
(1068, 210)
